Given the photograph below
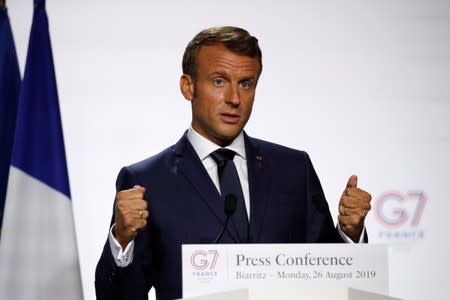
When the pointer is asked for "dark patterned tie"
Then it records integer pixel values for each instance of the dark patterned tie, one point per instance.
(230, 184)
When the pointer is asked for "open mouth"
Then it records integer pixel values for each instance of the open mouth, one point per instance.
(230, 118)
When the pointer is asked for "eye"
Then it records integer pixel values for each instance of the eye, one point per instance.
(245, 85)
(218, 82)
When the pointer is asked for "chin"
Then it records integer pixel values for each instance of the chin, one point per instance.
(225, 140)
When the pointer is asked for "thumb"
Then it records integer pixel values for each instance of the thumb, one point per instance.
(352, 181)
(139, 188)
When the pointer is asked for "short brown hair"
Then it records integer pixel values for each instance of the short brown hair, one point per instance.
(235, 39)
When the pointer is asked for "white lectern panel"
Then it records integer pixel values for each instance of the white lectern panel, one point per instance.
(217, 268)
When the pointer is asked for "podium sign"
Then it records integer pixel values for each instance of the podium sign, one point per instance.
(209, 268)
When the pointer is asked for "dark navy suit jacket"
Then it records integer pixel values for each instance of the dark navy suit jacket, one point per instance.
(287, 206)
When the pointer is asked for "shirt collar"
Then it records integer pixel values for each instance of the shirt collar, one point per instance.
(204, 147)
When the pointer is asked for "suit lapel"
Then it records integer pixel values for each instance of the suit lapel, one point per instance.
(193, 170)
(259, 186)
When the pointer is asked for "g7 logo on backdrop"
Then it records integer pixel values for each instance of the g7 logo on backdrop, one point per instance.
(394, 209)
(203, 260)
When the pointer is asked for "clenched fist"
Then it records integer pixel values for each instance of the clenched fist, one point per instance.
(353, 208)
(131, 214)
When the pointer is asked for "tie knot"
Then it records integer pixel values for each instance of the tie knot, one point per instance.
(221, 155)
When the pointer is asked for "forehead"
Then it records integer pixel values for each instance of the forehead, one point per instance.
(218, 58)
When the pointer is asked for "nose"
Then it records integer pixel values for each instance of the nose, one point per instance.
(232, 95)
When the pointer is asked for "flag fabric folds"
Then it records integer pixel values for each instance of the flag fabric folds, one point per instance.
(9, 94)
(38, 250)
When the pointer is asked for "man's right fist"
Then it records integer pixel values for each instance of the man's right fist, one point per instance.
(131, 214)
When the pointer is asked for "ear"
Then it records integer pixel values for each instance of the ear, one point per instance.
(187, 87)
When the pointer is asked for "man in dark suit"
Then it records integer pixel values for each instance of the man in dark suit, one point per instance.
(174, 197)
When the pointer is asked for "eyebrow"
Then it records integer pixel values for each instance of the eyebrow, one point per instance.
(222, 74)
(216, 73)
(248, 78)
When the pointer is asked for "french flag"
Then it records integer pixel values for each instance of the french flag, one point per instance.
(38, 250)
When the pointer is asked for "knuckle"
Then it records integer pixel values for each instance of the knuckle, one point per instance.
(121, 194)
(120, 205)
(142, 203)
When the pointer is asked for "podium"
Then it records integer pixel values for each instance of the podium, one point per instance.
(294, 294)
(285, 271)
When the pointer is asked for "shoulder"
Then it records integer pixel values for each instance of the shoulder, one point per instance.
(162, 159)
(156, 168)
(152, 161)
(152, 165)
(274, 149)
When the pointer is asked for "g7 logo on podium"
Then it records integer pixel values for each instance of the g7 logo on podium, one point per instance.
(204, 260)
(394, 209)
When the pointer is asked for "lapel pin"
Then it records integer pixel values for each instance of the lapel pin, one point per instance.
(259, 159)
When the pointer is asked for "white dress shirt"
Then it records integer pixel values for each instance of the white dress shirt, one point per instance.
(204, 147)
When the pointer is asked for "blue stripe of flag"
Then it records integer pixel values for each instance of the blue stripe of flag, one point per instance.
(39, 144)
(9, 94)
